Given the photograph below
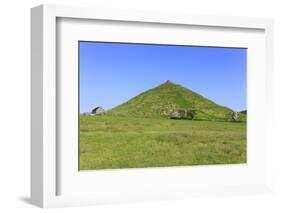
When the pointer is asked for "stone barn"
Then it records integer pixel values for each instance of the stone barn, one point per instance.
(98, 111)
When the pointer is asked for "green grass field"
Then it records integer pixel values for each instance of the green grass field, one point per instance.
(109, 142)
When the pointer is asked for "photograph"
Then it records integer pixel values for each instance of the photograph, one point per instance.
(161, 105)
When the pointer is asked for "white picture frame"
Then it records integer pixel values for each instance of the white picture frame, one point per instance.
(47, 167)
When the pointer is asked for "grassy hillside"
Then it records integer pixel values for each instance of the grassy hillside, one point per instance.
(244, 112)
(167, 98)
(126, 142)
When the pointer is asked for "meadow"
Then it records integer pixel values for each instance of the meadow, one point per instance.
(111, 142)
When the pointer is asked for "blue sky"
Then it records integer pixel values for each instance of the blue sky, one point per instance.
(113, 73)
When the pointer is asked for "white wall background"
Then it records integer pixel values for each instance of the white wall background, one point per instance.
(15, 103)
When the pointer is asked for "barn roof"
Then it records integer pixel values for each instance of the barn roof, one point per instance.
(99, 107)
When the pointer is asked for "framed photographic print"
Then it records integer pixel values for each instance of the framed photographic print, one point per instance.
(130, 106)
(140, 119)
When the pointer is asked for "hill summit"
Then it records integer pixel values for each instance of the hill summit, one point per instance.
(167, 98)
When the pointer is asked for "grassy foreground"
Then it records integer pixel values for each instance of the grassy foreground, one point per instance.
(124, 142)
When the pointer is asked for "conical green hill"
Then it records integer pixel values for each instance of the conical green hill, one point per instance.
(167, 98)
